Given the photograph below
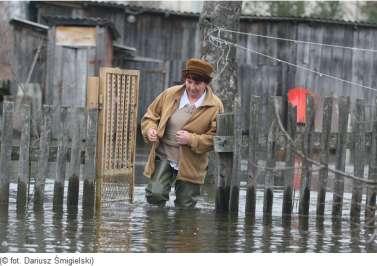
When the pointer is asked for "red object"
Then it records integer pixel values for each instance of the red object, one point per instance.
(297, 97)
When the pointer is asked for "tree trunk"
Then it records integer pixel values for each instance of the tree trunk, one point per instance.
(223, 14)
(225, 85)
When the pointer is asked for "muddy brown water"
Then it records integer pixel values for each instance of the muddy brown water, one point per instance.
(142, 228)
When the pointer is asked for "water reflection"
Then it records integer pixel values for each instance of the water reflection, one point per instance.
(72, 229)
(142, 228)
(3, 228)
(336, 236)
(58, 232)
(157, 225)
(39, 231)
(355, 243)
(320, 229)
(87, 234)
(249, 234)
(286, 238)
(304, 233)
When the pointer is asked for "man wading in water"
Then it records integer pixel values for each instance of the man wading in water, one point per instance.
(180, 124)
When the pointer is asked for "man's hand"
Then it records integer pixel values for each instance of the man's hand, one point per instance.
(152, 135)
(183, 137)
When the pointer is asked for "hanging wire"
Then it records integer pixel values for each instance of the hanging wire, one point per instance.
(219, 42)
(296, 41)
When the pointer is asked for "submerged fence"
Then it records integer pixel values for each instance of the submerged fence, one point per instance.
(59, 143)
(278, 147)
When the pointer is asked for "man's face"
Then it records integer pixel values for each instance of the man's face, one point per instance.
(194, 88)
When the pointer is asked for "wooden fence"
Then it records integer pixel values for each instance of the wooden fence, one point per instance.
(275, 144)
(29, 158)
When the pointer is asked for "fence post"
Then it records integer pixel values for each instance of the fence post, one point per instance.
(303, 207)
(370, 207)
(235, 181)
(359, 153)
(74, 165)
(223, 142)
(90, 163)
(324, 155)
(39, 185)
(4, 88)
(344, 108)
(255, 104)
(270, 161)
(5, 153)
(290, 164)
(23, 162)
(61, 160)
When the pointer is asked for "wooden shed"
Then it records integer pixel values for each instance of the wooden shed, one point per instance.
(29, 53)
(77, 48)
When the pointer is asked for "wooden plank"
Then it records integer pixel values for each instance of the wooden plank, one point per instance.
(359, 159)
(126, 117)
(69, 93)
(225, 122)
(75, 36)
(314, 56)
(324, 155)
(111, 109)
(57, 79)
(325, 64)
(255, 103)
(302, 59)
(92, 93)
(290, 164)
(118, 122)
(24, 163)
(81, 77)
(370, 207)
(5, 153)
(100, 48)
(340, 164)
(90, 162)
(74, 165)
(132, 133)
(347, 61)
(307, 149)
(39, 185)
(270, 160)
(358, 62)
(61, 161)
(223, 143)
(50, 66)
(91, 63)
(236, 170)
(101, 136)
(336, 63)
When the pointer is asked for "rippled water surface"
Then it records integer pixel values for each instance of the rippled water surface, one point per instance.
(142, 228)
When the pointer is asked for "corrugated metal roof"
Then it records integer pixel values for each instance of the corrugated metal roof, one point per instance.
(132, 8)
(310, 20)
(69, 21)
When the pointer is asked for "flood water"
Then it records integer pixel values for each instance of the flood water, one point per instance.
(142, 228)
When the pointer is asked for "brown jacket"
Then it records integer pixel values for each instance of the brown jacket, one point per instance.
(202, 126)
